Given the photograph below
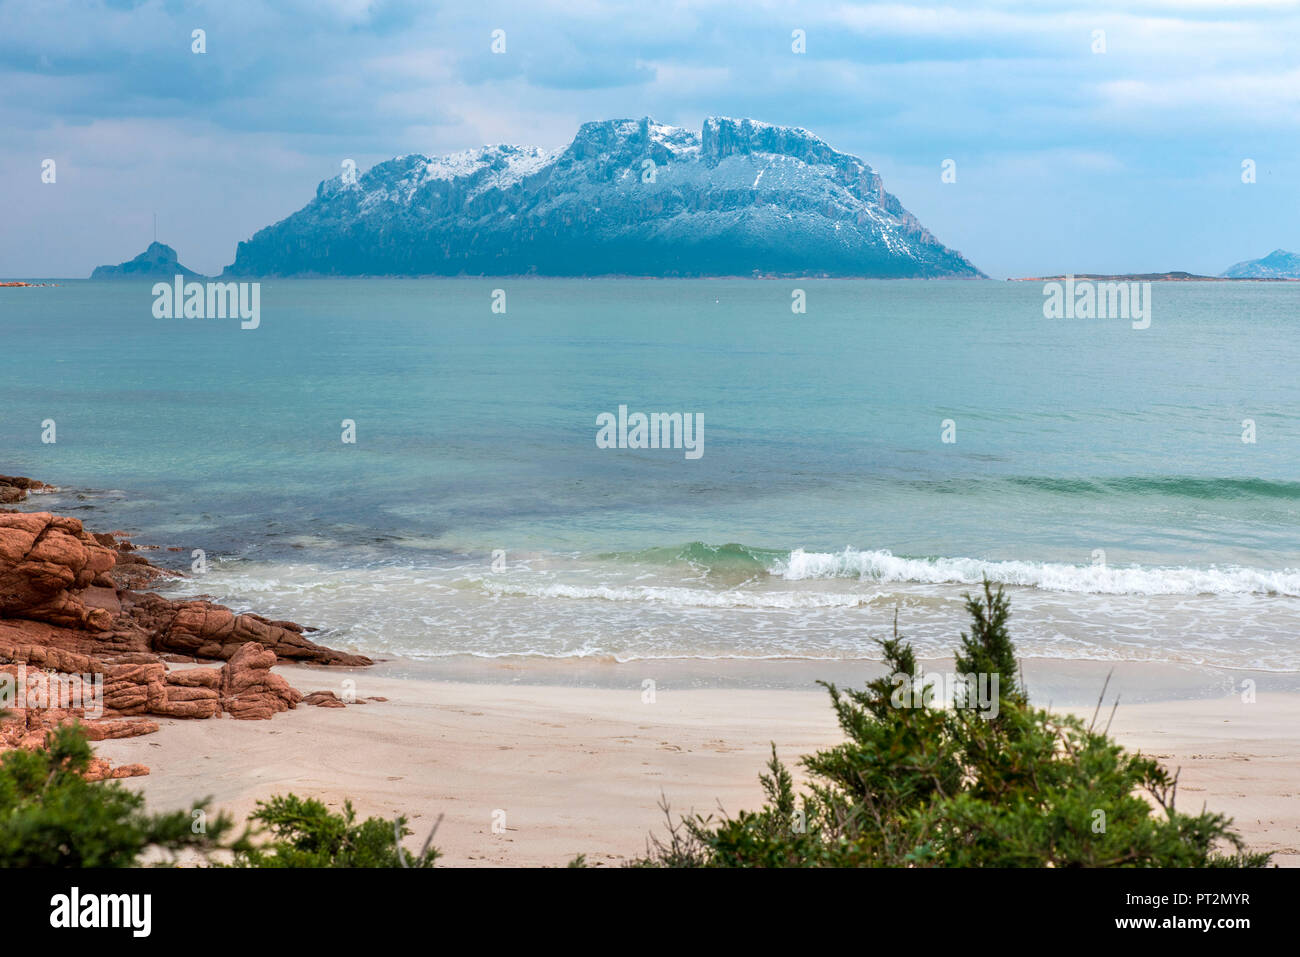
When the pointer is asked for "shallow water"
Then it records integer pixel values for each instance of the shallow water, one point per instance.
(1098, 470)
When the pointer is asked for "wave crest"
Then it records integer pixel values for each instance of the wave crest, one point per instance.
(884, 566)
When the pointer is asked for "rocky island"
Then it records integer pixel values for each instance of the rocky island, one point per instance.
(625, 198)
(159, 261)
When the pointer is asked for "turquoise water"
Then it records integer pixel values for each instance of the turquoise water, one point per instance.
(824, 497)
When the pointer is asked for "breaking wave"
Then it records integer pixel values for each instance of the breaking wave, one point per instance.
(883, 566)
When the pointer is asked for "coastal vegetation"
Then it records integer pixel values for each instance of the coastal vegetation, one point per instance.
(54, 814)
(305, 833)
(932, 786)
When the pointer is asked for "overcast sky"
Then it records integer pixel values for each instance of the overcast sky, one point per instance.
(1066, 159)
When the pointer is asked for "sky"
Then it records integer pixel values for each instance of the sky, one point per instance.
(1074, 149)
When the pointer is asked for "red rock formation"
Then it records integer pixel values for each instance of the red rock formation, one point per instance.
(326, 699)
(100, 769)
(14, 488)
(69, 607)
(54, 573)
(250, 690)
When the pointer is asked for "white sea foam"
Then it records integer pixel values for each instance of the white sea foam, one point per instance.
(572, 608)
(882, 566)
(696, 597)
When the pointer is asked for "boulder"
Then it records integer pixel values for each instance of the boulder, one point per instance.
(249, 689)
(14, 488)
(70, 605)
(54, 573)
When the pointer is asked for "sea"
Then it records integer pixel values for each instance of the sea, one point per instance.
(876, 455)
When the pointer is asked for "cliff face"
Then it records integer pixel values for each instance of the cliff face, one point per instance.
(157, 262)
(626, 197)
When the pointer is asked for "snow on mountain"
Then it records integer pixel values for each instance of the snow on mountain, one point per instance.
(626, 197)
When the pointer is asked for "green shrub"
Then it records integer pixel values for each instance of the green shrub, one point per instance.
(51, 816)
(308, 834)
(928, 786)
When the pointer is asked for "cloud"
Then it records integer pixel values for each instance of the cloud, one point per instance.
(1012, 90)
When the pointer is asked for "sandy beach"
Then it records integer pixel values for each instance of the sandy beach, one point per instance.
(578, 766)
(530, 760)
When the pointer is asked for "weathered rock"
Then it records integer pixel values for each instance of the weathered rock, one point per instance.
(250, 690)
(110, 728)
(193, 693)
(69, 607)
(101, 770)
(14, 488)
(324, 699)
(53, 572)
(36, 700)
(206, 630)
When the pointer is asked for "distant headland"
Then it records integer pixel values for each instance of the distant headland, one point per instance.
(159, 261)
(1175, 276)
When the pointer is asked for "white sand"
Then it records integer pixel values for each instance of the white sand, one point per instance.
(580, 770)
